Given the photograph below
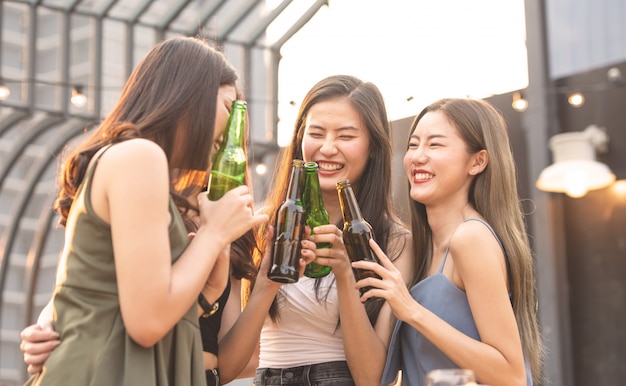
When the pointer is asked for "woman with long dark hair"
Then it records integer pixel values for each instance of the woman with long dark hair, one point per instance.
(125, 302)
(472, 304)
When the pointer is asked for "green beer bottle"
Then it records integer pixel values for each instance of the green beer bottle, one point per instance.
(356, 232)
(229, 165)
(289, 229)
(316, 215)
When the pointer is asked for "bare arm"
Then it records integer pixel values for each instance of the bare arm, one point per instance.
(239, 346)
(229, 317)
(481, 272)
(364, 345)
(131, 191)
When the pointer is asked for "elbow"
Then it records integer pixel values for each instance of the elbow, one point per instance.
(520, 380)
(519, 377)
(513, 380)
(146, 335)
(366, 380)
(144, 339)
(228, 374)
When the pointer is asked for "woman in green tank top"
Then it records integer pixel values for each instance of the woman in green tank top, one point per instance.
(124, 305)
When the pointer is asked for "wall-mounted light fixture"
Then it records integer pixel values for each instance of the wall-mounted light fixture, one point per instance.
(575, 170)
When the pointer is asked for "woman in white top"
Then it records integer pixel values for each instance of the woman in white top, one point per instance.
(318, 331)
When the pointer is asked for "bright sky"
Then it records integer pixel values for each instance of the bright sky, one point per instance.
(424, 49)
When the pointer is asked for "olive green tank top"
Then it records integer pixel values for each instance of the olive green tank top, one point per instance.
(95, 347)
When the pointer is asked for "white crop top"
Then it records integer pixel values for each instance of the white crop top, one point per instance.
(307, 331)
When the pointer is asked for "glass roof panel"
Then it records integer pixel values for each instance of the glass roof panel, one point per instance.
(129, 10)
(286, 19)
(58, 3)
(237, 21)
(242, 21)
(228, 15)
(94, 7)
(160, 11)
(195, 15)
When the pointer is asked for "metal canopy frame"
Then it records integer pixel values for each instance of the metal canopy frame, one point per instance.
(34, 131)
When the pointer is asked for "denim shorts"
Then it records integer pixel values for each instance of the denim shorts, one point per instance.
(320, 374)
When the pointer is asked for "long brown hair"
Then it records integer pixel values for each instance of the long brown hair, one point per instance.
(373, 191)
(174, 87)
(494, 195)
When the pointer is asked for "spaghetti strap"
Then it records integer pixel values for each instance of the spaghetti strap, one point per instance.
(94, 160)
(488, 227)
(88, 178)
(492, 232)
(445, 256)
(506, 257)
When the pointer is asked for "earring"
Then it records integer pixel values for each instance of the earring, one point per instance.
(473, 171)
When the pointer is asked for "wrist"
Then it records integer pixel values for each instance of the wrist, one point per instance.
(266, 286)
(217, 239)
(344, 275)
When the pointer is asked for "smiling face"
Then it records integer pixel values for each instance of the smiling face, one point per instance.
(437, 162)
(337, 139)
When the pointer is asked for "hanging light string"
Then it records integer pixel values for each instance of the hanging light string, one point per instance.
(78, 97)
(575, 94)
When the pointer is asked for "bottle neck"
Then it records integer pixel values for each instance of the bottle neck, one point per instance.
(234, 134)
(349, 206)
(296, 183)
(312, 194)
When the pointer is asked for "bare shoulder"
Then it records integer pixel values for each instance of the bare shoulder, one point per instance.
(472, 233)
(134, 151)
(474, 243)
(131, 177)
(133, 160)
(134, 167)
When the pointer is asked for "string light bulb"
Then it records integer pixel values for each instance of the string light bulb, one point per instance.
(5, 92)
(261, 169)
(576, 99)
(519, 103)
(79, 99)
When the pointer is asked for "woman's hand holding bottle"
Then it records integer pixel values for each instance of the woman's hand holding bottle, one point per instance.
(335, 257)
(390, 286)
(231, 216)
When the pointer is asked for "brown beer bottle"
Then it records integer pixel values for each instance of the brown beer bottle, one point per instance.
(289, 228)
(316, 215)
(356, 232)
